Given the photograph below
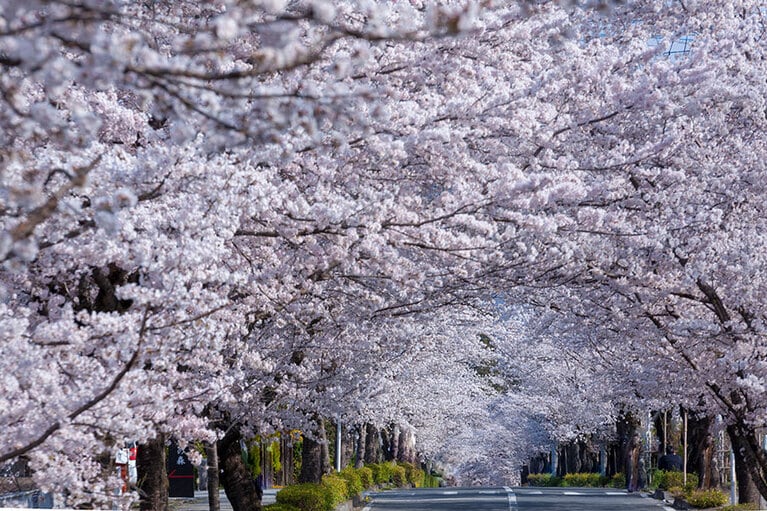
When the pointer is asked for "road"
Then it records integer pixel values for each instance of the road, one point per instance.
(512, 499)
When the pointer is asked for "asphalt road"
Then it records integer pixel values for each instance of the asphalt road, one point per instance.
(512, 499)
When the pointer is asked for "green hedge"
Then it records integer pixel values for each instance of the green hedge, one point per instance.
(280, 507)
(672, 480)
(413, 474)
(353, 480)
(618, 480)
(543, 480)
(306, 497)
(707, 498)
(585, 480)
(337, 489)
(399, 476)
(366, 476)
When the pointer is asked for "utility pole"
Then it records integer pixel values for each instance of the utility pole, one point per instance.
(684, 470)
(733, 477)
(338, 443)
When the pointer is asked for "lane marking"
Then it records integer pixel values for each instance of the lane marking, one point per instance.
(572, 493)
(449, 493)
(512, 498)
(621, 493)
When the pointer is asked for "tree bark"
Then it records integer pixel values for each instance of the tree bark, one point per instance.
(311, 462)
(746, 447)
(214, 502)
(241, 490)
(702, 451)
(372, 445)
(359, 460)
(152, 475)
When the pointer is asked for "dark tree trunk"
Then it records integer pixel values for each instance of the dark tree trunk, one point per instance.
(152, 475)
(241, 490)
(359, 460)
(325, 466)
(372, 445)
(386, 444)
(311, 462)
(214, 503)
(745, 462)
(627, 454)
(702, 450)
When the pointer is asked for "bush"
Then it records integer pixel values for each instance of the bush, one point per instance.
(741, 507)
(366, 476)
(583, 479)
(381, 472)
(280, 507)
(671, 480)
(337, 489)
(707, 498)
(398, 476)
(430, 481)
(618, 480)
(353, 481)
(543, 480)
(306, 497)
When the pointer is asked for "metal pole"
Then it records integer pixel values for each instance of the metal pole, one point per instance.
(338, 444)
(665, 432)
(733, 478)
(684, 470)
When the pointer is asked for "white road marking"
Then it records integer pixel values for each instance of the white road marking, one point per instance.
(512, 498)
(450, 493)
(571, 493)
(616, 493)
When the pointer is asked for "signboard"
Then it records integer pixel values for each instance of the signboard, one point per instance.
(180, 473)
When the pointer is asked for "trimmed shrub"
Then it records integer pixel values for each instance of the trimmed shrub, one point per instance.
(366, 476)
(381, 472)
(337, 489)
(398, 476)
(707, 498)
(353, 480)
(430, 481)
(583, 479)
(618, 480)
(543, 480)
(280, 507)
(671, 480)
(306, 497)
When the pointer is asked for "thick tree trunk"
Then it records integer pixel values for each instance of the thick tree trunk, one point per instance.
(214, 503)
(152, 475)
(702, 451)
(405, 449)
(359, 461)
(372, 445)
(241, 490)
(747, 449)
(325, 466)
(311, 462)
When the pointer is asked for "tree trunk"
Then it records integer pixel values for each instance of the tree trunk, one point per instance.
(702, 451)
(214, 503)
(746, 447)
(241, 490)
(325, 466)
(359, 461)
(311, 462)
(372, 445)
(152, 475)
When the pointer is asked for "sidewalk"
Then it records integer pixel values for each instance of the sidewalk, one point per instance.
(200, 501)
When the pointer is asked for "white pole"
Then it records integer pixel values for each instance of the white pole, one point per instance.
(733, 479)
(338, 444)
(684, 470)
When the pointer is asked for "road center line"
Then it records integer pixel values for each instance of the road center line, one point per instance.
(512, 498)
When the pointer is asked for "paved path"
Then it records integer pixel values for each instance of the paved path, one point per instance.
(511, 499)
(200, 501)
